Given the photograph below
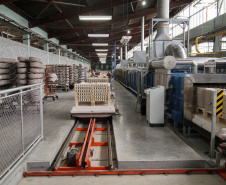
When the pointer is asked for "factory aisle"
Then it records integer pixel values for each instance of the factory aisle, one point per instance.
(126, 99)
(140, 146)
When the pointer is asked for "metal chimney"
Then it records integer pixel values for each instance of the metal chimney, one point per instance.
(163, 27)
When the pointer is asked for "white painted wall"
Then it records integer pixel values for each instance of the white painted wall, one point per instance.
(13, 49)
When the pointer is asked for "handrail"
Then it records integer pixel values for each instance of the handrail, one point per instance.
(19, 88)
(222, 54)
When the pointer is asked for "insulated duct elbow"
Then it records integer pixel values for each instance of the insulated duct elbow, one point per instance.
(176, 50)
(168, 62)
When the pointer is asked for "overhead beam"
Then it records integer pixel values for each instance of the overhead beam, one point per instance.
(6, 1)
(112, 32)
(138, 14)
(70, 14)
(69, 31)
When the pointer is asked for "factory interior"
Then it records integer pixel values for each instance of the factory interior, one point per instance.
(112, 92)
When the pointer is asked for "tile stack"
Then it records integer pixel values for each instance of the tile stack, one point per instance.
(92, 92)
(7, 73)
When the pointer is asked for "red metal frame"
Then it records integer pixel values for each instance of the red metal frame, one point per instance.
(90, 140)
(47, 94)
(220, 171)
(92, 144)
(104, 170)
(97, 129)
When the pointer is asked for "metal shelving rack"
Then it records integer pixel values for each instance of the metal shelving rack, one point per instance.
(49, 91)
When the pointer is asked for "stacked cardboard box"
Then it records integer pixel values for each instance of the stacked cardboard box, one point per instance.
(200, 97)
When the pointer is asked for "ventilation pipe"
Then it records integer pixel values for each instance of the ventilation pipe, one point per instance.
(176, 50)
(168, 62)
(121, 53)
(126, 57)
(142, 34)
(163, 27)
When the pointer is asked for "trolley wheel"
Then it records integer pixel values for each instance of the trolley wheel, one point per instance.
(53, 99)
(56, 97)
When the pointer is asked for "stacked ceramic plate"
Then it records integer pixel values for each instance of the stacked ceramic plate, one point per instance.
(52, 77)
(7, 73)
(22, 71)
(81, 74)
(35, 76)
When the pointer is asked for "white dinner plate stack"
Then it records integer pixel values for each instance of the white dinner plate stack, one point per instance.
(22, 71)
(7, 73)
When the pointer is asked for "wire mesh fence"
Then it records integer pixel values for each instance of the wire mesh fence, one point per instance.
(21, 124)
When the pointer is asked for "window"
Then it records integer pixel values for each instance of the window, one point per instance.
(223, 43)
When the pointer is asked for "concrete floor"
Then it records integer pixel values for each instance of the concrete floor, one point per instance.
(140, 146)
(57, 125)
(126, 179)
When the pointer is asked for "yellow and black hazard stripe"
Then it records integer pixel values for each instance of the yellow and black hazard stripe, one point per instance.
(219, 103)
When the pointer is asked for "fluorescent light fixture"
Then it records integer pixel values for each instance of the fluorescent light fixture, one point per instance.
(103, 62)
(98, 35)
(101, 54)
(94, 18)
(101, 50)
(100, 44)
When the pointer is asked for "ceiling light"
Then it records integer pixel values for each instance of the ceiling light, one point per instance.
(94, 18)
(100, 44)
(125, 39)
(98, 35)
(103, 62)
(101, 50)
(101, 54)
(128, 31)
(143, 3)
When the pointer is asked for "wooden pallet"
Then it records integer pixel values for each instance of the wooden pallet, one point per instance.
(97, 80)
(208, 114)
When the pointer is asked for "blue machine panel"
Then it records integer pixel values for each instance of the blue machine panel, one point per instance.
(175, 97)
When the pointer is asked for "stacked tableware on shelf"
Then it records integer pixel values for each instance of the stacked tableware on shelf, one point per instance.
(71, 78)
(52, 77)
(81, 74)
(7, 73)
(75, 73)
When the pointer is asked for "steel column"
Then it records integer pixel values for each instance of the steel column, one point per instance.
(213, 126)
(142, 33)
